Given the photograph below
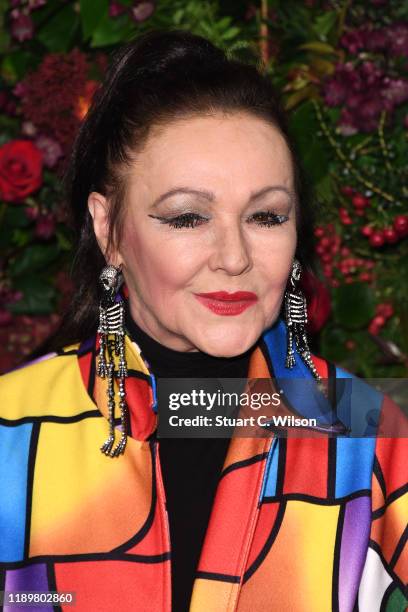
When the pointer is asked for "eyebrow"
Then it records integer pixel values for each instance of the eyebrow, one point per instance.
(210, 196)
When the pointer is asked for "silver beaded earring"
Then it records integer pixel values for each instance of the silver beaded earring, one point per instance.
(296, 319)
(112, 342)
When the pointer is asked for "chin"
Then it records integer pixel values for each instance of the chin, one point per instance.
(229, 345)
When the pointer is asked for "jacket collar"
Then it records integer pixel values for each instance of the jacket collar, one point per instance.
(302, 396)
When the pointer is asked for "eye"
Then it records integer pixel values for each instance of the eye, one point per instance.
(264, 218)
(267, 218)
(184, 220)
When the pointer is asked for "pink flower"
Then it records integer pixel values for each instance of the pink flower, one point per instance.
(5, 317)
(354, 40)
(397, 91)
(50, 148)
(45, 226)
(31, 212)
(376, 40)
(398, 39)
(28, 128)
(115, 9)
(142, 10)
(22, 27)
(19, 90)
(35, 4)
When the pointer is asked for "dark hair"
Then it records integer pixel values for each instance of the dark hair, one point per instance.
(154, 79)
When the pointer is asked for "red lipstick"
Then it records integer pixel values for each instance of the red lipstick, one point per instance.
(227, 304)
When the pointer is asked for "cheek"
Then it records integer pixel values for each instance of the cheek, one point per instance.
(274, 261)
(156, 266)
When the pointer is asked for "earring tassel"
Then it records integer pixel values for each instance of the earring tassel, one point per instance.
(112, 343)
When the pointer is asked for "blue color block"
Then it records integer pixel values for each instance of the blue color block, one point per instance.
(354, 464)
(14, 450)
(271, 471)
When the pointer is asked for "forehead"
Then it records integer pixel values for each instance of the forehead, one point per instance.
(237, 151)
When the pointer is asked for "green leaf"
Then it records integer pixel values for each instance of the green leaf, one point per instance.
(318, 47)
(63, 241)
(231, 33)
(112, 31)
(35, 258)
(16, 64)
(332, 344)
(38, 296)
(20, 237)
(324, 23)
(58, 33)
(178, 16)
(303, 127)
(353, 305)
(15, 217)
(90, 16)
(4, 36)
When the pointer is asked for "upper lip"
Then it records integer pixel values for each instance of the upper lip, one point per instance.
(224, 296)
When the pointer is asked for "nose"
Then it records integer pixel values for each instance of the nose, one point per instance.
(231, 251)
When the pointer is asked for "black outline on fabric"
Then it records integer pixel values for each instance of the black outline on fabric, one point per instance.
(386, 565)
(220, 577)
(280, 475)
(62, 353)
(85, 557)
(380, 476)
(387, 595)
(390, 499)
(32, 453)
(52, 584)
(50, 418)
(268, 543)
(336, 558)
(92, 373)
(240, 464)
(331, 467)
(141, 376)
(137, 537)
(2, 579)
(321, 501)
(399, 548)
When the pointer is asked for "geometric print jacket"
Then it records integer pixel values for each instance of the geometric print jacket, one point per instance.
(311, 524)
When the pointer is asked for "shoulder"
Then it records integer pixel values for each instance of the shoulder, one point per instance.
(50, 385)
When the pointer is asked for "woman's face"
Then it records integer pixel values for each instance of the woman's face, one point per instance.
(210, 208)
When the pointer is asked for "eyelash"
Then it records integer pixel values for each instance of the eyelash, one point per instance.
(190, 219)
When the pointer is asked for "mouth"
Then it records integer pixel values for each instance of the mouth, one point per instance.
(227, 304)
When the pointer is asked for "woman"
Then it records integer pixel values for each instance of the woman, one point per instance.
(183, 183)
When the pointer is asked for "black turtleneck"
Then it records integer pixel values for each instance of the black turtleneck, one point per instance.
(190, 466)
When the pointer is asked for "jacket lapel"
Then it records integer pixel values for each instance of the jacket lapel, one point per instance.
(233, 518)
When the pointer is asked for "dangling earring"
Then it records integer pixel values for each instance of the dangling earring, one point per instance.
(296, 319)
(112, 342)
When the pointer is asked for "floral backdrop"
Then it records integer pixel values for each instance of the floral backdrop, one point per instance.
(342, 68)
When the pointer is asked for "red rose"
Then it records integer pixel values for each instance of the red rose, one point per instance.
(318, 301)
(20, 170)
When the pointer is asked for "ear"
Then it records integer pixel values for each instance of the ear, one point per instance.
(98, 207)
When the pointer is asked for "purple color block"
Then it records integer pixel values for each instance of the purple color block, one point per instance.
(30, 578)
(353, 551)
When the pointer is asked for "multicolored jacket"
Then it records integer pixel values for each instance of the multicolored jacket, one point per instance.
(312, 524)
